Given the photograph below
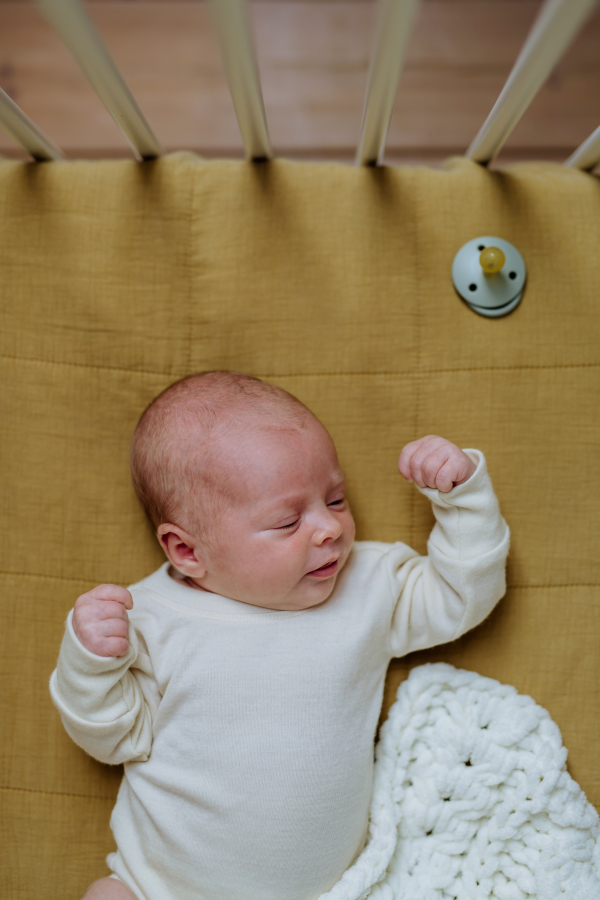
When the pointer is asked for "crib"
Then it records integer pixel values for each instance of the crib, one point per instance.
(334, 282)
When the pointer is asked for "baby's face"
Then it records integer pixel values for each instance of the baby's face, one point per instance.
(283, 541)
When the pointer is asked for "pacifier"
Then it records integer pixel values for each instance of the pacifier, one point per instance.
(489, 274)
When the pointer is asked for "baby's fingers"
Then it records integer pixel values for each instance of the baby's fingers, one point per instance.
(111, 592)
(107, 609)
(406, 458)
(112, 628)
(457, 470)
(107, 603)
(434, 462)
(420, 460)
(107, 637)
(435, 469)
(111, 646)
(445, 477)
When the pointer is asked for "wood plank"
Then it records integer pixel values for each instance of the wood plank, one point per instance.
(313, 56)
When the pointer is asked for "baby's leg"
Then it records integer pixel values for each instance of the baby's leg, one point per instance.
(108, 889)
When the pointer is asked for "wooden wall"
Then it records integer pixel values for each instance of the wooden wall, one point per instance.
(313, 57)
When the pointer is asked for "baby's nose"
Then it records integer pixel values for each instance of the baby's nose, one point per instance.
(330, 528)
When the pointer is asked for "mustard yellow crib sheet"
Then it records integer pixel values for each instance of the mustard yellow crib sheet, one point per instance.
(334, 282)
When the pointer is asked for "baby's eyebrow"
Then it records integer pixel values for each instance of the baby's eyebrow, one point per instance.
(291, 502)
(282, 505)
(339, 485)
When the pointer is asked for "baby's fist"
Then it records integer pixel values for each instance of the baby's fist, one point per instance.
(100, 620)
(434, 462)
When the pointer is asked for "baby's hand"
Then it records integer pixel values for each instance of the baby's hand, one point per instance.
(100, 620)
(434, 462)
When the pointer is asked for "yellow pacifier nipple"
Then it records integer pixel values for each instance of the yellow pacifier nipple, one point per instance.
(491, 260)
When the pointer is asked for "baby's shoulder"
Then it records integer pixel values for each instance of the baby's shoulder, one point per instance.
(370, 558)
(375, 548)
(146, 592)
(150, 580)
(369, 573)
(367, 550)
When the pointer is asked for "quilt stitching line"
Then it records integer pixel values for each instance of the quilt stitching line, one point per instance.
(403, 372)
(6, 787)
(68, 578)
(75, 365)
(565, 585)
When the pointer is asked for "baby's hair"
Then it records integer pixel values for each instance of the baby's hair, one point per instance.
(170, 449)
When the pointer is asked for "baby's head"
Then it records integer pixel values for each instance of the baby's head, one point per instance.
(243, 486)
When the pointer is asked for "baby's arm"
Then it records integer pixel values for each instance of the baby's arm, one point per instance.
(101, 702)
(454, 587)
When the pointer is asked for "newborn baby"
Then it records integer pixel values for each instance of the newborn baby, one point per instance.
(241, 683)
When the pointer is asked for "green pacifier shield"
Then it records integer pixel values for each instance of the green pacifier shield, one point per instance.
(489, 274)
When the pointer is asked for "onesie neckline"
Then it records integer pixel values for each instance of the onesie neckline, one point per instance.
(173, 594)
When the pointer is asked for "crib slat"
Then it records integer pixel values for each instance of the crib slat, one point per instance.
(587, 155)
(231, 20)
(552, 32)
(394, 25)
(22, 130)
(71, 21)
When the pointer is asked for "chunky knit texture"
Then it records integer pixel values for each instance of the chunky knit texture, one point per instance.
(472, 800)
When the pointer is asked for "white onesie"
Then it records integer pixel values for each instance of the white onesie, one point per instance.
(247, 734)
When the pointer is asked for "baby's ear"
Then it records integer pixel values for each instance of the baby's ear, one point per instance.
(182, 550)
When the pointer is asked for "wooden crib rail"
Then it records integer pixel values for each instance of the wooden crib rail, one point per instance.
(22, 130)
(231, 21)
(72, 23)
(394, 25)
(555, 27)
(557, 23)
(587, 155)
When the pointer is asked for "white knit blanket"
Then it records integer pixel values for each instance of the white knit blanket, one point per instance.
(472, 800)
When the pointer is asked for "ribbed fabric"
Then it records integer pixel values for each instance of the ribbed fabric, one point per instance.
(247, 734)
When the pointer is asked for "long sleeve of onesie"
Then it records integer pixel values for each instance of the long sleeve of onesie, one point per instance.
(451, 590)
(106, 707)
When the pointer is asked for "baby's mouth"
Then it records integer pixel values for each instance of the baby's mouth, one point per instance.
(326, 571)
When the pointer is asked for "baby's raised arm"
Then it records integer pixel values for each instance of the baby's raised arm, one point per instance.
(440, 596)
(103, 685)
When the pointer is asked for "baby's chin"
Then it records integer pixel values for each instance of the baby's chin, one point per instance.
(319, 593)
(305, 597)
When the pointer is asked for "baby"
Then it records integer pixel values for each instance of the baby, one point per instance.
(241, 683)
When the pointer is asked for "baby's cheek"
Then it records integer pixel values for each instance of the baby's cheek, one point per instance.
(349, 530)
